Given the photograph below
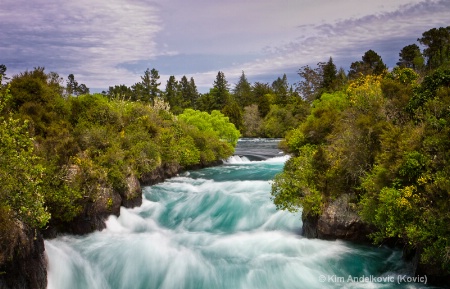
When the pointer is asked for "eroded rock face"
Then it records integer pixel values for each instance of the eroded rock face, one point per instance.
(338, 220)
(106, 203)
(26, 265)
(132, 197)
(97, 209)
(160, 174)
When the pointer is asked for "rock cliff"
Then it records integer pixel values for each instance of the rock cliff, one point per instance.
(23, 264)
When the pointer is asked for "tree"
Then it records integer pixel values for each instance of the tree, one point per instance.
(215, 123)
(437, 41)
(189, 92)
(278, 120)
(281, 89)
(341, 79)
(82, 89)
(145, 86)
(243, 91)
(2, 73)
(261, 92)
(410, 57)
(234, 113)
(193, 95)
(173, 96)
(72, 85)
(329, 76)
(154, 84)
(310, 82)
(252, 121)
(119, 92)
(206, 102)
(150, 85)
(220, 90)
(73, 88)
(371, 64)
(374, 62)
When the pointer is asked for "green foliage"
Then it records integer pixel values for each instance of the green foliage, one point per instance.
(329, 76)
(295, 188)
(243, 91)
(437, 42)
(252, 121)
(87, 146)
(278, 121)
(73, 88)
(21, 174)
(324, 116)
(371, 63)
(429, 88)
(411, 57)
(61, 193)
(406, 76)
(295, 139)
(385, 140)
(215, 123)
(234, 114)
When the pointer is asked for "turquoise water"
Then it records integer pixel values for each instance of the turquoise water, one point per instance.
(217, 228)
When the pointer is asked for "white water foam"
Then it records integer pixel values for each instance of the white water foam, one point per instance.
(237, 160)
(244, 160)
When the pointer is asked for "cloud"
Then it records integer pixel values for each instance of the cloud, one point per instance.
(345, 40)
(85, 37)
(108, 42)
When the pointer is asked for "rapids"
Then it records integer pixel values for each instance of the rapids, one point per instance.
(216, 228)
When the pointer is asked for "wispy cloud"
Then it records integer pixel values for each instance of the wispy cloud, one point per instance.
(347, 40)
(107, 42)
(89, 38)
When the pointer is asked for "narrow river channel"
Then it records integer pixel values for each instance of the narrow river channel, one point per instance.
(217, 228)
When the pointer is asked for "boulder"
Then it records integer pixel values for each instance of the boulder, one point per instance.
(132, 196)
(339, 220)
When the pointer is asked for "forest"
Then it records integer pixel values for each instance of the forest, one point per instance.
(381, 134)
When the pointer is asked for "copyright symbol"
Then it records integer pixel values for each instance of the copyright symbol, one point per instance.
(322, 278)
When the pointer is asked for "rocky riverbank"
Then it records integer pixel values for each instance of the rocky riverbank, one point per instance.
(24, 265)
(340, 220)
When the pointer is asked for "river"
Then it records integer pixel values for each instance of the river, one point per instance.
(217, 228)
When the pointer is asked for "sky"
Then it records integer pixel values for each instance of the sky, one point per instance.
(112, 42)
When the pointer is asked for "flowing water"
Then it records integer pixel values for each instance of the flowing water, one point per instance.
(217, 228)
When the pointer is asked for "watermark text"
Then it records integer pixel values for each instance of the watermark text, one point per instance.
(398, 279)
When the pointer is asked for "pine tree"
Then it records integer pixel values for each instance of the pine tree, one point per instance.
(220, 91)
(150, 85)
(281, 89)
(154, 84)
(243, 91)
(329, 76)
(172, 95)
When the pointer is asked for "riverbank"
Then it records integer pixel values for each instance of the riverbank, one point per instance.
(28, 269)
